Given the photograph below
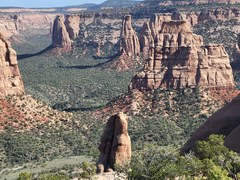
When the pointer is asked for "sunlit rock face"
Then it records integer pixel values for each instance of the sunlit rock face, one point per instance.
(10, 78)
(178, 59)
(60, 36)
(129, 43)
(115, 146)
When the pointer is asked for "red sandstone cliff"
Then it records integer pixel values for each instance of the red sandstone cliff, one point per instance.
(10, 77)
(60, 36)
(179, 59)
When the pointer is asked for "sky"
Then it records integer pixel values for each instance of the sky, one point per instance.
(45, 3)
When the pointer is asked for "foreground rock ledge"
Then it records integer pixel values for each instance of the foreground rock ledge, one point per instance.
(115, 147)
(225, 121)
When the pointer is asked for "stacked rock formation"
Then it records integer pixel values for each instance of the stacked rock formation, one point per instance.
(60, 36)
(236, 52)
(10, 77)
(115, 147)
(129, 43)
(178, 59)
(225, 121)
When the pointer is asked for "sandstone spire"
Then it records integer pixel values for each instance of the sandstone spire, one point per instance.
(179, 60)
(10, 77)
(115, 147)
(60, 36)
(146, 39)
(236, 52)
(129, 43)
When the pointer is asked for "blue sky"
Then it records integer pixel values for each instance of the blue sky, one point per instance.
(45, 3)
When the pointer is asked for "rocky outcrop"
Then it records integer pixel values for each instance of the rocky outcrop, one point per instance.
(10, 78)
(179, 59)
(225, 121)
(129, 43)
(60, 36)
(236, 53)
(72, 23)
(115, 147)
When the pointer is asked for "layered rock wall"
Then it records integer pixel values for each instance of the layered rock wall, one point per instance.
(10, 78)
(115, 147)
(179, 59)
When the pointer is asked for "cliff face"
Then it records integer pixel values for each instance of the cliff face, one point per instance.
(178, 59)
(10, 77)
(60, 36)
(129, 43)
(72, 23)
(236, 52)
(12, 25)
(115, 147)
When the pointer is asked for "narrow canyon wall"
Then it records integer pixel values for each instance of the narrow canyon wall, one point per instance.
(10, 78)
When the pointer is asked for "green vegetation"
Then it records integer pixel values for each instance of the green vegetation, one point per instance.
(219, 32)
(210, 159)
(69, 82)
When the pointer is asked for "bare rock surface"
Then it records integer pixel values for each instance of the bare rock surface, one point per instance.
(129, 42)
(10, 78)
(60, 36)
(179, 59)
(115, 147)
(236, 52)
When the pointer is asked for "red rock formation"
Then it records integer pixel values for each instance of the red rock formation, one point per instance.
(60, 36)
(225, 121)
(179, 60)
(146, 39)
(10, 77)
(72, 23)
(129, 43)
(236, 53)
(115, 147)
